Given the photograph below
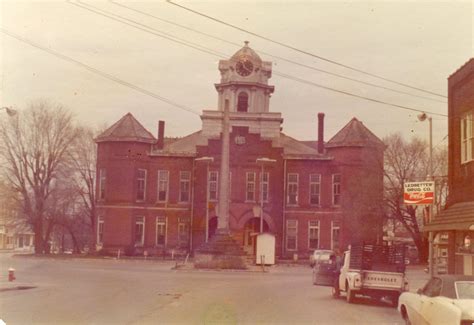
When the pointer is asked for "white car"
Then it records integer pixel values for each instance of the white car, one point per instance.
(445, 299)
(320, 255)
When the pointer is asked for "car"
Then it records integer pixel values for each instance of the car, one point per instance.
(320, 255)
(325, 270)
(445, 299)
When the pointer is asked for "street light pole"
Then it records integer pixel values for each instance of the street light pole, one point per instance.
(422, 117)
(262, 161)
(208, 160)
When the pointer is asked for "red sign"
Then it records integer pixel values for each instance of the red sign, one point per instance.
(418, 193)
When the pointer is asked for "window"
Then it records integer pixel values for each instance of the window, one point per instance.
(212, 185)
(242, 102)
(100, 230)
(163, 183)
(264, 186)
(336, 189)
(314, 188)
(467, 138)
(161, 231)
(292, 189)
(335, 232)
(291, 234)
(250, 187)
(141, 184)
(313, 234)
(183, 232)
(102, 178)
(184, 185)
(139, 231)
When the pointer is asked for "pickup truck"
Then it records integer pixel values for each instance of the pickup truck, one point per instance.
(372, 270)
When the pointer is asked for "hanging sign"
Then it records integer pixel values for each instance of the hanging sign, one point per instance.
(418, 193)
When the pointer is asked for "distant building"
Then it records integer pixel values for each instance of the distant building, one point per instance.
(153, 192)
(14, 234)
(454, 226)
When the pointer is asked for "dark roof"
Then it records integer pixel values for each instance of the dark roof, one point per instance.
(447, 283)
(458, 216)
(126, 129)
(354, 134)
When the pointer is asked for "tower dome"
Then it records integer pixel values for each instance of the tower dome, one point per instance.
(248, 53)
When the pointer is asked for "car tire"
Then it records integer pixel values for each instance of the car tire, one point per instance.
(350, 295)
(336, 293)
(405, 316)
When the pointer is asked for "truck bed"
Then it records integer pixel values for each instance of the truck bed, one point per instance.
(383, 258)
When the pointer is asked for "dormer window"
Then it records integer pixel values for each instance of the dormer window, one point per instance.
(243, 102)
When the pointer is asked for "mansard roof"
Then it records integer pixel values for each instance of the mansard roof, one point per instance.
(126, 129)
(354, 134)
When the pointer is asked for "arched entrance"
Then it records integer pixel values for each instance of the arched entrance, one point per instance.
(251, 230)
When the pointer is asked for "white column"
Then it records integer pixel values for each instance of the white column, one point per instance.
(223, 218)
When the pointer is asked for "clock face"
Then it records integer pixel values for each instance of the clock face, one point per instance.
(244, 67)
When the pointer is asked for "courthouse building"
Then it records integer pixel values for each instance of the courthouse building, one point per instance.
(158, 194)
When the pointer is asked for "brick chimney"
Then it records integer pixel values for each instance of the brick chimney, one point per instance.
(161, 135)
(321, 133)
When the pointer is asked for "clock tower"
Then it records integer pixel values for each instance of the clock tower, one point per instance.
(244, 85)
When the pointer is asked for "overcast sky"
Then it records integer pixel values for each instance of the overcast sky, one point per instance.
(419, 43)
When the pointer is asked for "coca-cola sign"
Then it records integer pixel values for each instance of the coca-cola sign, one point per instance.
(420, 193)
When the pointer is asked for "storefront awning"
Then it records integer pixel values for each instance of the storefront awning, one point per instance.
(459, 216)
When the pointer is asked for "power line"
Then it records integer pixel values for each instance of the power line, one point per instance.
(150, 30)
(98, 72)
(272, 55)
(299, 50)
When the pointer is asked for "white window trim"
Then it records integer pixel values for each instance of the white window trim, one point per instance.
(167, 185)
(319, 192)
(309, 233)
(142, 241)
(144, 185)
(466, 144)
(181, 180)
(100, 220)
(211, 172)
(332, 233)
(166, 231)
(296, 236)
(288, 189)
(332, 188)
(254, 186)
(102, 176)
(262, 183)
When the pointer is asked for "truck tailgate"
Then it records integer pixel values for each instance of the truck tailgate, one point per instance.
(382, 280)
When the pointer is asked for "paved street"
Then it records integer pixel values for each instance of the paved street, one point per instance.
(91, 291)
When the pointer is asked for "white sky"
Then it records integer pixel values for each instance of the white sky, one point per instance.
(419, 43)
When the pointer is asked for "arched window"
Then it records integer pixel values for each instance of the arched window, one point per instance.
(243, 102)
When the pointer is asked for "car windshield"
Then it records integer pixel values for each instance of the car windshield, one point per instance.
(464, 289)
(324, 257)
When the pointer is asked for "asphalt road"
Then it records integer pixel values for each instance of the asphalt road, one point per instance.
(91, 291)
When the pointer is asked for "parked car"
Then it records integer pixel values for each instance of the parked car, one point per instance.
(325, 270)
(445, 299)
(320, 255)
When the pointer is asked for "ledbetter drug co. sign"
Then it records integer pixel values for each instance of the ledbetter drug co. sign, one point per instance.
(418, 193)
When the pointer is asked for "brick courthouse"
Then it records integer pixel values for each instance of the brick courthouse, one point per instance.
(153, 191)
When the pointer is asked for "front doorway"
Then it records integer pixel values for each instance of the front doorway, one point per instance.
(212, 227)
(251, 230)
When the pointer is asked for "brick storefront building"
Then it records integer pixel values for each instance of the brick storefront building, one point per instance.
(453, 228)
(153, 191)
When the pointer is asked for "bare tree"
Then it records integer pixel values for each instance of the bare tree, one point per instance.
(406, 162)
(33, 148)
(82, 161)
